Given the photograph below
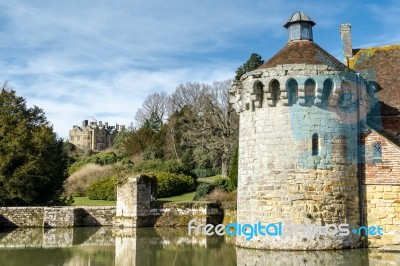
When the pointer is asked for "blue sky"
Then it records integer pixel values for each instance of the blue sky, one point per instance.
(79, 59)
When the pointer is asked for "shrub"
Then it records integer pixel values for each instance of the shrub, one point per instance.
(104, 189)
(217, 195)
(158, 165)
(78, 183)
(76, 166)
(104, 158)
(222, 183)
(230, 203)
(101, 158)
(206, 172)
(202, 190)
(170, 184)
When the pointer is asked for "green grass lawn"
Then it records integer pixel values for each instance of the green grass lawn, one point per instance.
(85, 201)
(210, 179)
(184, 197)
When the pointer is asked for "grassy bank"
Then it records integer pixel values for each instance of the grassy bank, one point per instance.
(85, 201)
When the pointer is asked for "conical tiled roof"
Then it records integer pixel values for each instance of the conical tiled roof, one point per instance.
(304, 52)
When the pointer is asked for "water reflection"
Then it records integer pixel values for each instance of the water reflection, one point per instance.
(160, 246)
(165, 246)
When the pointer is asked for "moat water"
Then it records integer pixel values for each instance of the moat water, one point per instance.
(164, 246)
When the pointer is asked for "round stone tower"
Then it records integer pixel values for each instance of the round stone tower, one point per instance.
(298, 147)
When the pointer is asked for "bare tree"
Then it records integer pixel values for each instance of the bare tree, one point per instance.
(224, 123)
(154, 105)
(213, 128)
(189, 94)
(202, 128)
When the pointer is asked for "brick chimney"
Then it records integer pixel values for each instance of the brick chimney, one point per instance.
(345, 36)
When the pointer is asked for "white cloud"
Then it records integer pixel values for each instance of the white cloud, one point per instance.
(77, 59)
(114, 98)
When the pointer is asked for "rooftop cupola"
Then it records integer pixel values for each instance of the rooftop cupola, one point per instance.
(299, 27)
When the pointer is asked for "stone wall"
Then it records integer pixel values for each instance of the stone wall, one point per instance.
(280, 179)
(160, 214)
(298, 152)
(137, 207)
(21, 216)
(56, 216)
(382, 207)
(135, 199)
(96, 216)
(178, 214)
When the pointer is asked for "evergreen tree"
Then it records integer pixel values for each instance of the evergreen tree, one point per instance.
(252, 63)
(233, 170)
(32, 159)
(120, 138)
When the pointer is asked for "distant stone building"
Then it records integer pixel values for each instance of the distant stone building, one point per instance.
(94, 136)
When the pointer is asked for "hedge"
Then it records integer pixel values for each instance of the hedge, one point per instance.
(104, 189)
(222, 183)
(202, 190)
(101, 158)
(170, 184)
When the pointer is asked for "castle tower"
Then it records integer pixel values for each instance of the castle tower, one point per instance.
(298, 144)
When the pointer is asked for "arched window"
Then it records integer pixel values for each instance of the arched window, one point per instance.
(292, 87)
(258, 89)
(326, 92)
(314, 144)
(274, 88)
(309, 91)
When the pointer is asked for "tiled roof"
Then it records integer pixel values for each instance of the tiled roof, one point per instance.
(382, 65)
(304, 52)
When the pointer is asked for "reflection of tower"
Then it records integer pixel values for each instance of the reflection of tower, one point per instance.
(247, 256)
(126, 247)
(170, 246)
(298, 143)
